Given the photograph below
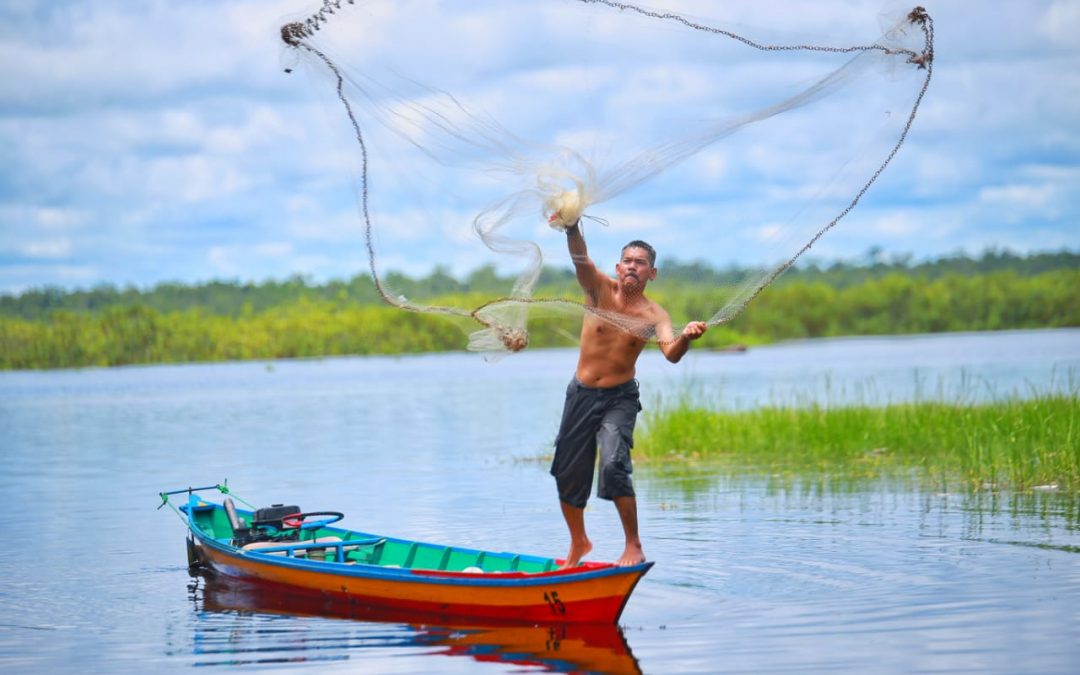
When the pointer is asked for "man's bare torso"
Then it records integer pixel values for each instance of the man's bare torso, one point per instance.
(609, 353)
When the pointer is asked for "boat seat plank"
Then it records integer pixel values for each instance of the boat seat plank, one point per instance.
(256, 545)
(365, 550)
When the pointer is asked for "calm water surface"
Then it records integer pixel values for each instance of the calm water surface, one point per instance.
(751, 575)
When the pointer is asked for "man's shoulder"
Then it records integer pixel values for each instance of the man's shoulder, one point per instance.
(602, 289)
(653, 307)
(657, 314)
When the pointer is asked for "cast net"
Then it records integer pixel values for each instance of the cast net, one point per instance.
(480, 126)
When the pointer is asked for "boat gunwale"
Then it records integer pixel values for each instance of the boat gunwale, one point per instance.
(588, 572)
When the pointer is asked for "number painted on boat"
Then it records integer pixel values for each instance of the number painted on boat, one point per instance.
(553, 601)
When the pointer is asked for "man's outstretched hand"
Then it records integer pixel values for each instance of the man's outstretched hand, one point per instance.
(694, 330)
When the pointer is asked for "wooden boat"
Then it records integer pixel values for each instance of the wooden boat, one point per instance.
(298, 552)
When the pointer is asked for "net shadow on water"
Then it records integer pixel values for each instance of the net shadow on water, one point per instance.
(238, 624)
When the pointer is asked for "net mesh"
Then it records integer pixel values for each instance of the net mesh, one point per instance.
(482, 126)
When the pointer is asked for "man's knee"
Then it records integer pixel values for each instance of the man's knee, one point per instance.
(573, 491)
(615, 465)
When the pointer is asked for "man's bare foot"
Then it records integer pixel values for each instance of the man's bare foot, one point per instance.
(633, 555)
(578, 550)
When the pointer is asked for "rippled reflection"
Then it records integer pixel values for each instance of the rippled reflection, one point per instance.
(240, 624)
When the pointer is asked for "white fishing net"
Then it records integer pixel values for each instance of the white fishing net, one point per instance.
(482, 125)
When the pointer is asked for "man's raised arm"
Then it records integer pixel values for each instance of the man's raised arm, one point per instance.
(588, 276)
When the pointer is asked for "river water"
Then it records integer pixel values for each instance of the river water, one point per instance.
(750, 575)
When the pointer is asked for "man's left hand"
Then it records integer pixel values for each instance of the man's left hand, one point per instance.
(694, 330)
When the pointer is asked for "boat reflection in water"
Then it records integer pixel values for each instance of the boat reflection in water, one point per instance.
(243, 624)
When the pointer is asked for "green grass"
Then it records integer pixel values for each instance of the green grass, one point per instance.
(1012, 443)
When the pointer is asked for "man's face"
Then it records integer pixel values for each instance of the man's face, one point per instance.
(634, 268)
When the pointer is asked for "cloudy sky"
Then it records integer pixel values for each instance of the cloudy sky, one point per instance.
(155, 141)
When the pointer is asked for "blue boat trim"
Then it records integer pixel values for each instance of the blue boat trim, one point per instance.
(366, 570)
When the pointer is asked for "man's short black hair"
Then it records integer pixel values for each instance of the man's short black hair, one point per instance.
(637, 243)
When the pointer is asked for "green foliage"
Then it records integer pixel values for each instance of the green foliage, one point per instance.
(1011, 443)
(293, 318)
(232, 298)
(305, 328)
(220, 298)
(874, 265)
(899, 304)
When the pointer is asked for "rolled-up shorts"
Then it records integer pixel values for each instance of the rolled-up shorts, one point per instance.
(596, 418)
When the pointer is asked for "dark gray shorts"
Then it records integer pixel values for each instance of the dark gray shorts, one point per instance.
(595, 418)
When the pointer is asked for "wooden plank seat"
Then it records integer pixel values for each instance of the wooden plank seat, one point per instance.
(297, 552)
(309, 547)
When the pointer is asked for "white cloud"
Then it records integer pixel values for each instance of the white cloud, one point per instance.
(221, 261)
(193, 179)
(163, 131)
(275, 249)
(319, 224)
(47, 248)
(1060, 23)
(163, 48)
(711, 167)
(939, 173)
(14, 278)
(896, 225)
(58, 219)
(1031, 196)
(769, 233)
(29, 218)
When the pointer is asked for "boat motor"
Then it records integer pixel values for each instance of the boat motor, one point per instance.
(266, 524)
(273, 515)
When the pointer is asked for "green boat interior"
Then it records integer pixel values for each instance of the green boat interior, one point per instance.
(287, 531)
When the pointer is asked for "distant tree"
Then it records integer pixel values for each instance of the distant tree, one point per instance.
(233, 298)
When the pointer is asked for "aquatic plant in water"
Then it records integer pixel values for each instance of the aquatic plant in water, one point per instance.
(1008, 443)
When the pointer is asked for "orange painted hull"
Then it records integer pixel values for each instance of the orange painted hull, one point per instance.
(595, 593)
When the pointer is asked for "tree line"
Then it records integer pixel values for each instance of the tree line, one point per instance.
(221, 320)
(234, 298)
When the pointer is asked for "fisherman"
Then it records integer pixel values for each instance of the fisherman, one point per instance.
(602, 400)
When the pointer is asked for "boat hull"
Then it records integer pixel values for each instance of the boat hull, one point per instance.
(580, 595)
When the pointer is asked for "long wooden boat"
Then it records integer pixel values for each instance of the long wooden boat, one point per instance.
(298, 552)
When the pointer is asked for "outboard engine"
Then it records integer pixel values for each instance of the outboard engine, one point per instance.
(272, 516)
(266, 525)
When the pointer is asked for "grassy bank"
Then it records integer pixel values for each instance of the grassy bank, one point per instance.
(1008, 444)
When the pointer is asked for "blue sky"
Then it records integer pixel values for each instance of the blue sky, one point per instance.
(156, 141)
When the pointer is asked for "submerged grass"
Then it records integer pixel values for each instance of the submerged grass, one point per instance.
(1030, 443)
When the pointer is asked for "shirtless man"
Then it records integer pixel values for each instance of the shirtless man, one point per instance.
(602, 400)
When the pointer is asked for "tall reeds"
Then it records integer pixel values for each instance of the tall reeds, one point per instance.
(1010, 443)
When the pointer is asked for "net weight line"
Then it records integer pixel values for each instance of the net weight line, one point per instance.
(296, 34)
